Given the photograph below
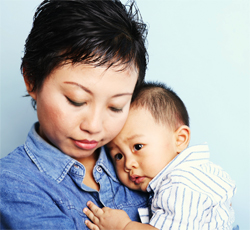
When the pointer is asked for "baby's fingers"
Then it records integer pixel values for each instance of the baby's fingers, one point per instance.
(91, 216)
(91, 226)
(95, 209)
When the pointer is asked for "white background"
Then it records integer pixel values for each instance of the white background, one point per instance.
(201, 48)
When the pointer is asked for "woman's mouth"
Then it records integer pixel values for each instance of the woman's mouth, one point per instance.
(86, 144)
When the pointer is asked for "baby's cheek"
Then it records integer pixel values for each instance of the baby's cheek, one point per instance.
(123, 177)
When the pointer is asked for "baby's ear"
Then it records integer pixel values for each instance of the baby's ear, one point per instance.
(29, 86)
(182, 135)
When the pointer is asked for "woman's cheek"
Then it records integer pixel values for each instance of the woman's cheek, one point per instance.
(116, 126)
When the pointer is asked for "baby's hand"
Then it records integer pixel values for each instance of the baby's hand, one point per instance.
(105, 218)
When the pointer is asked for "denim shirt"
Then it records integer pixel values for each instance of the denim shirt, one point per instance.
(41, 188)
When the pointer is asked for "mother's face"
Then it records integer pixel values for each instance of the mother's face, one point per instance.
(81, 108)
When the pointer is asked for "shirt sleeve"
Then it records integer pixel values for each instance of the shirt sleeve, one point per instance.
(180, 208)
(22, 207)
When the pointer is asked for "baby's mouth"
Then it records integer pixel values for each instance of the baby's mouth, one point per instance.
(137, 179)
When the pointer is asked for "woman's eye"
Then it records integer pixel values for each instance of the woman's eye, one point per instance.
(75, 103)
(116, 110)
(137, 147)
(118, 156)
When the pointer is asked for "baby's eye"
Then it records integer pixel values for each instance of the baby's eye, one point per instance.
(118, 156)
(137, 147)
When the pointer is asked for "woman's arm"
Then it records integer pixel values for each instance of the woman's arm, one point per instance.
(107, 218)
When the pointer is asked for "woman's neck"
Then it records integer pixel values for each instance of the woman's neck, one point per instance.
(89, 164)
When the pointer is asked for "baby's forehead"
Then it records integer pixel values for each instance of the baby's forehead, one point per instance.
(140, 112)
(164, 119)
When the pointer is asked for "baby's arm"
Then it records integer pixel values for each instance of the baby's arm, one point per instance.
(107, 218)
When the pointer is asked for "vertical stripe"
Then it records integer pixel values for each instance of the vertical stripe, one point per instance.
(171, 213)
(182, 208)
(190, 208)
(197, 210)
(174, 208)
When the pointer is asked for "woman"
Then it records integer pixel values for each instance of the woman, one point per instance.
(82, 61)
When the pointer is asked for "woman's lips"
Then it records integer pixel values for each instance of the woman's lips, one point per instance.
(86, 144)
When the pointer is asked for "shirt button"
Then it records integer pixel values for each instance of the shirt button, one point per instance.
(99, 169)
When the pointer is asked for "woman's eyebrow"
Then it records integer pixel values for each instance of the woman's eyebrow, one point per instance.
(79, 85)
(90, 92)
(122, 94)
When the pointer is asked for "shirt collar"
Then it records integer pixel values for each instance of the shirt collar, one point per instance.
(46, 157)
(54, 162)
(192, 156)
(105, 162)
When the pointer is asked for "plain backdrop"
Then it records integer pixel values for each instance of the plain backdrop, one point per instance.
(200, 48)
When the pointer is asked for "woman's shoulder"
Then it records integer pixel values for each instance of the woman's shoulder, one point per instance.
(16, 157)
(16, 164)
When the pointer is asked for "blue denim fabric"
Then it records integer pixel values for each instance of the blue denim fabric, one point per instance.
(41, 188)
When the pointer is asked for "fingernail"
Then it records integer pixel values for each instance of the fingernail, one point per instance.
(84, 210)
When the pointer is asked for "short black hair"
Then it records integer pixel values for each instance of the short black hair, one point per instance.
(102, 32)
(162, 102)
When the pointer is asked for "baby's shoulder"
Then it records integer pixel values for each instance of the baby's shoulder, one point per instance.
(204, 179)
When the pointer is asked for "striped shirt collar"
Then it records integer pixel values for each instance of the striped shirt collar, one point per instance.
(191, 156)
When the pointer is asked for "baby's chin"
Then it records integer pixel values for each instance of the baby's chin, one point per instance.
(138, 187)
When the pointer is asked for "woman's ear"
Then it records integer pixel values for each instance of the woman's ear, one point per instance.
(182, 135)
(29, 86)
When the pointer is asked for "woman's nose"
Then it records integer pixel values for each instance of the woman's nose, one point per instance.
(92, 121)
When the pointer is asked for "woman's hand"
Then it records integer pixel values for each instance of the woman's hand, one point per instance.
(105, 218)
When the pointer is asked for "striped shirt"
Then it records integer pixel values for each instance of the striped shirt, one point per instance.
(191, 193)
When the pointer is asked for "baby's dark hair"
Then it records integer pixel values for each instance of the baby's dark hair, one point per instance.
(101, 33)
(163, 104)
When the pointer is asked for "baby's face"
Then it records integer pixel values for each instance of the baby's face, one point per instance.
(142, 149)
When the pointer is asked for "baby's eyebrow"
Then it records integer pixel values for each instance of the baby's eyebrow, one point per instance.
(135, 136)
(110, 147)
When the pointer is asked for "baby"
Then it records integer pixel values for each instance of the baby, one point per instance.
(151, 154)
